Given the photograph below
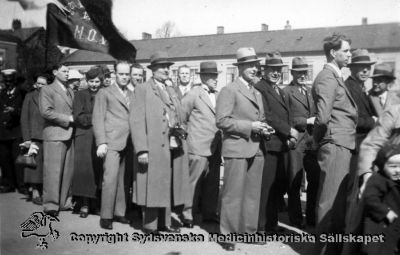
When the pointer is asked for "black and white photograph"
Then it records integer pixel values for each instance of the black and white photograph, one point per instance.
(200, 127)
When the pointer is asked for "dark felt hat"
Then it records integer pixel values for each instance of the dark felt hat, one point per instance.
(159, 58)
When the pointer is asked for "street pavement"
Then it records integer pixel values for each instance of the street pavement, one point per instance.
(73, 236)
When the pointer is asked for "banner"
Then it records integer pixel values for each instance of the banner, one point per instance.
(86, 24)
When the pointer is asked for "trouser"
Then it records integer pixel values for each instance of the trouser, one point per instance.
(12, 174)
(240, 200)
(156, 217)
(204, 173)
(274, 186)
(58, 170)
(307, 161)
(113, 194)
(334, 161)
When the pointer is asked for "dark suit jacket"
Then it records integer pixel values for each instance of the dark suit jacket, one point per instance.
(236, 109)
(10, 121)
(83, 109)
(277, 115)
(31, 121)
(365, 108)
(336, 118)
(302, 107)
(56, 108)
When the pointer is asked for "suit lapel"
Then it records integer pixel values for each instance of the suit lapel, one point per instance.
(377, 104)
(299, 96)
(278, 98)
(59, 90)
(341, 83)
(206, 99)
(246, 92)
(115, 91)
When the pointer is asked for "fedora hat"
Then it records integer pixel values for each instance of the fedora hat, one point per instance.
(159, 58)
(208, 68)
(246, 55)
(8, 72)
(274, 59)
(299, 64)
(360, 57)
(383, 70)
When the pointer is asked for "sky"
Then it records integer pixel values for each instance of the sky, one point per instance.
(196, 17)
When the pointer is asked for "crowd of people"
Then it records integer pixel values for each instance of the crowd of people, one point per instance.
(112, 145)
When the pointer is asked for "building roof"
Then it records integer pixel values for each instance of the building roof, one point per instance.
(374, 37)
(23, 33)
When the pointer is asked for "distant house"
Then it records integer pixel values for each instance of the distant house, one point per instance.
(382, 40)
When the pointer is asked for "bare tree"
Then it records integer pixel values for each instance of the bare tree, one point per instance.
(167, 30)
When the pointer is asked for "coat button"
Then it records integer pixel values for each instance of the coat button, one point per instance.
(163, 120)
(162, 145)
(163, 132)
(256, 112)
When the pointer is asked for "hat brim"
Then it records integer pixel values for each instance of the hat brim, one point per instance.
(161, 63)
(218, 72)
(300, 69)
(275, 65)
(362, 63)
(246, 61)
(383, 75)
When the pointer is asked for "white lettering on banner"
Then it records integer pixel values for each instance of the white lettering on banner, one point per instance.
(92, 35)
(86, 16)
(78, 32)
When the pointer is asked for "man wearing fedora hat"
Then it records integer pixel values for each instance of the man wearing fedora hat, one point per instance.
(385, 127)
(305, 155)
(335, 133)
(380, 94)
(279, 116)
(162, 178)
(360, 68)
(240, 116)
(204, 145)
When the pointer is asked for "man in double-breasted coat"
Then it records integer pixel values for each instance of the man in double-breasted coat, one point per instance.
(161, 180)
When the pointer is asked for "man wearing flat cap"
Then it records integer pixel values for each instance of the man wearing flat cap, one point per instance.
(11, 100)
(335, 133)
(381, 95)
(162, 178)
(240, 116)
(305, 155)
(279, 116)
(204, 143)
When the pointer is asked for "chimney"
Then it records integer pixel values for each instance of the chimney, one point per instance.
(146, 36)
(220, 30)
(16, 24)
(288, 26)
(364, 21)
(264, 27)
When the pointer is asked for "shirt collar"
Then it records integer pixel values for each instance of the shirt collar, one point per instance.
(336, 68)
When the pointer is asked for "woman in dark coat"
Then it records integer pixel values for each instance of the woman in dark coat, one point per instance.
(32, 127)
(87, 166)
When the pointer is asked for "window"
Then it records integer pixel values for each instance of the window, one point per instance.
(231, 74)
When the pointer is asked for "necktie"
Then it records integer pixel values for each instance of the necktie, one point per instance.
(276, 88)
(68, 94)
(382, 100)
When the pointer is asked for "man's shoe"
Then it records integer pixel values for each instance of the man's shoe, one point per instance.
(227, 246)
(187, 223)
(6, 189)
(106, 223)
(150, 231)
(53, 213)
(121, 219)
(37, 200)
(169, 229)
